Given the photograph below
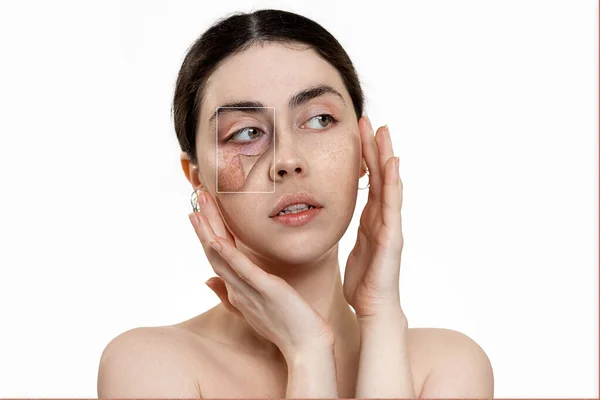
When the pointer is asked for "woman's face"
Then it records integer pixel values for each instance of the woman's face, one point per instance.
(310, 154)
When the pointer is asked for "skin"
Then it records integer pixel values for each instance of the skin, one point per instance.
(231, 174)
(238, 155)
(311, 265)
(285, 322)
(325, 161)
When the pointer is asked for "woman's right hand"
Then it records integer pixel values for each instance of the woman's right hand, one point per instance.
(268, 303)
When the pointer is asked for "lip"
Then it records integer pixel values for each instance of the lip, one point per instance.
(294, 198)
(298, 219)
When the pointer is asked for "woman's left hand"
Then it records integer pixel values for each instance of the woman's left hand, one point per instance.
(372, 276)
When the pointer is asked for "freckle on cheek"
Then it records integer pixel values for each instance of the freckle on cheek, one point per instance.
(230, 174)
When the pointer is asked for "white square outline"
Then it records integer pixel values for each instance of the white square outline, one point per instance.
(217, 147)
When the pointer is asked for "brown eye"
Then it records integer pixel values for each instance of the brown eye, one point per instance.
(254, 133)
(323, 121)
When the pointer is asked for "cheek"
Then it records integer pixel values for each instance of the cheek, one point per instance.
(340, 154)
(230, 173)
(336, 166)
(343, 164)
(243, 220)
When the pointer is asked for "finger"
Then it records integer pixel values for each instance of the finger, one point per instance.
(210, 210)
(360, 246)
(218, 263)
(391, 204)
(370, 154)
(254, 276)
(217, 285)
(384, 146)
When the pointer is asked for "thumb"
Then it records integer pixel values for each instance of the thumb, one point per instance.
(217, 285)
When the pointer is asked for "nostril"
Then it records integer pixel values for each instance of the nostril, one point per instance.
(283, 172)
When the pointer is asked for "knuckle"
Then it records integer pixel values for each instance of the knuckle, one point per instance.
(271, 284)
(218, 272)
(387, 204)
(233, 298)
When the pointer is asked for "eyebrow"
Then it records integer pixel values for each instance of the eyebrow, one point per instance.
(296, 100)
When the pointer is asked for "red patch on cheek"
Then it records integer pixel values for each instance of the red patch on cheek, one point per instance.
(230, 174)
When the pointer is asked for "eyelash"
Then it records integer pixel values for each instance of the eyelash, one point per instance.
(334, 121)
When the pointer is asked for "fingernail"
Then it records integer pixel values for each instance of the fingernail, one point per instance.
(397, 161)
(201, 199)
(387, 132)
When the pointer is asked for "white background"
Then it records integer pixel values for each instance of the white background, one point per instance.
(493, 108)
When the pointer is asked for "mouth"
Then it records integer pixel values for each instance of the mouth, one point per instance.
(294, 204)
(295, 209)
(297, 219)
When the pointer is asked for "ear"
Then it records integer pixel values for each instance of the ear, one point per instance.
(191, 171)
(218, 286)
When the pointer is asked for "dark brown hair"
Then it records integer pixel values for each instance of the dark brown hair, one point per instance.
(234, 34)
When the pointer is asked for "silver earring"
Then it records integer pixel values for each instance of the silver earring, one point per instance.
(194, 201)
(368, 185)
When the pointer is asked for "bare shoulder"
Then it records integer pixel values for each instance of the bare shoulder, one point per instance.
(457, 366)
(147, 362)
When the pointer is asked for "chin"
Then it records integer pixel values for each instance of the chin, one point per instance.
(305, 247)
(299, 255)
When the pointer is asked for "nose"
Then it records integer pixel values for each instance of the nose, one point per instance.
(288, 164)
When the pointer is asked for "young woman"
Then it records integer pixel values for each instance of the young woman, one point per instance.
(286, 325)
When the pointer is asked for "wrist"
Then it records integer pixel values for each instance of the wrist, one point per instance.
(312, 373)
(383, 316)
(309, 352)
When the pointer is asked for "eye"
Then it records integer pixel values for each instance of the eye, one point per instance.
(323, 121)
(254, 134)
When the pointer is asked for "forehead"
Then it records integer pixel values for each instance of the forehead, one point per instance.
(269, 73)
